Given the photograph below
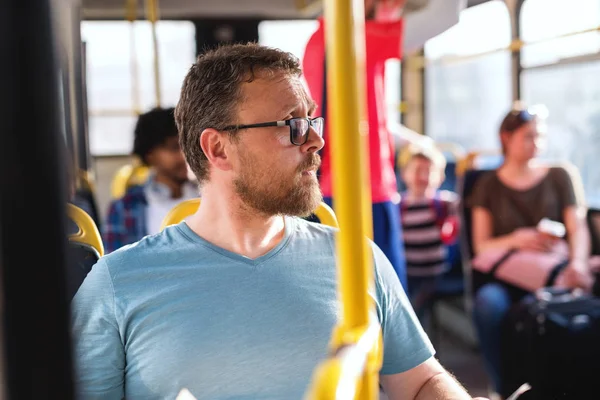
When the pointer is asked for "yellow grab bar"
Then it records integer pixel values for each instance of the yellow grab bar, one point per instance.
(339, 376)
(180, 212)
(152, 13)
(131, 14)
(188, 207)
(88, 231)
(348, 127)
(326, 215)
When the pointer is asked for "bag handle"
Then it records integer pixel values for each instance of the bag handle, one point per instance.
(501, 261)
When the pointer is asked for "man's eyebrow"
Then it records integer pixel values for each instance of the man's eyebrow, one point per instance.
(288, 108)
(292, 107)
(312, 106)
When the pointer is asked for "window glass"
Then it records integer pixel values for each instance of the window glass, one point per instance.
(545, 19)
(110, 77)
(463, 105)
(572, 95)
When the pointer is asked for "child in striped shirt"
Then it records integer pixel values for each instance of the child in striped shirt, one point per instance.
(429, 224)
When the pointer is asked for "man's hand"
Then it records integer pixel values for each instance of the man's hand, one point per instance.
(389, 10)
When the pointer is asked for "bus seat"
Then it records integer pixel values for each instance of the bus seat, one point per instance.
(468, 182)
(324, 213)
(84, 250)
(469, 170)
(453, 153)
(482, 160)
(88, 233)
(593, 217)
(127, 176)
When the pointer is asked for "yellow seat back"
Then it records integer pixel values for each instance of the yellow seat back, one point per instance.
(88, 231)
(189, 207)
(472, 160)
(127, 176)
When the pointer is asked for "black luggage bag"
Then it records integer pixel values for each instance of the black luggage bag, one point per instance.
(551, 340)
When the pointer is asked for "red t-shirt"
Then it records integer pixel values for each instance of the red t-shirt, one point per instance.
(383, 42)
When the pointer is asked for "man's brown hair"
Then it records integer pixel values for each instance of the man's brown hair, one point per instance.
(211, 92)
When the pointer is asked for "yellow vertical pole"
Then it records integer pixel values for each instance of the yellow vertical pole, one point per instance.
(152, 11)
(345, 44)
(135, 82)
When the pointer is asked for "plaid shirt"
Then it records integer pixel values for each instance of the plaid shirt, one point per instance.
(126, 219)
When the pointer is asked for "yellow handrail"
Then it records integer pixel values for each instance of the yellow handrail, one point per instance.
(416, 62)
(326, 215)
(456, 150)
(88, 231)
(131, 11)
(152, 13)
(339, 376)
(188, 207)
(348, 126)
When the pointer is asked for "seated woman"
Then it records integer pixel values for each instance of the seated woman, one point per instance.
(507, 205)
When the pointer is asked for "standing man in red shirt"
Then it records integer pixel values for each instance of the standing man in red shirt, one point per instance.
(383, 42)
(387, 33)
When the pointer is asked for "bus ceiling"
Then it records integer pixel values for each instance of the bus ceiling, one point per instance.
(193, 9)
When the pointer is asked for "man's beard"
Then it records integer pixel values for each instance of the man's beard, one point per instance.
(270, 193)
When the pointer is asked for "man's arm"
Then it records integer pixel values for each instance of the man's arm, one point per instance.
(426, 381)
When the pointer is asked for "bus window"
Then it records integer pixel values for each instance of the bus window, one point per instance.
(569, 89)
(547, 19)
(290, 36)
(466, 100)
(111, 100)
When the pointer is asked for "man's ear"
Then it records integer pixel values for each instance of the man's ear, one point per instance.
(216, 147)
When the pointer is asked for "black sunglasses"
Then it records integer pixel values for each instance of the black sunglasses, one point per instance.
(516, 118)
(299, 128)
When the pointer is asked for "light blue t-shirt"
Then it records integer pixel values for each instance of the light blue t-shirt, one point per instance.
(173, 311)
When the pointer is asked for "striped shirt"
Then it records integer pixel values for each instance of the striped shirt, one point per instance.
(426, 254)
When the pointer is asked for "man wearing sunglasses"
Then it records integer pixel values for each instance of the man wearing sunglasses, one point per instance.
(239, 301)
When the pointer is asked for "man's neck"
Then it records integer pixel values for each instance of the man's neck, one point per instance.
(175, 187)
(226, 222)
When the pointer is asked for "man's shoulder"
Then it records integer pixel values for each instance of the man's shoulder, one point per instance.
(314, 229)
(149, 250)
